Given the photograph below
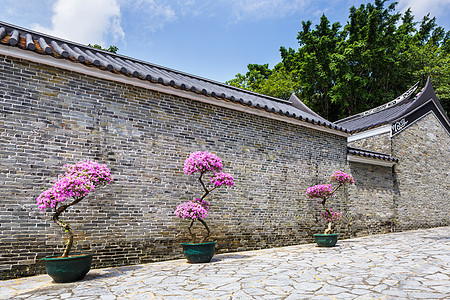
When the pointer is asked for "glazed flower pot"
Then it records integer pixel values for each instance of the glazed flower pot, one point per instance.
(326, 240)
(68, 269)
(199, 253)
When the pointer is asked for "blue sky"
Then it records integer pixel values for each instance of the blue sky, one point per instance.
(215, 39)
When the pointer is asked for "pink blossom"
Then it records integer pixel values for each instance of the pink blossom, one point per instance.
(196, 209)
(192, 210)
(320, 191)
(78, 181)
(203, 203)
(221, 178)
(342, 178)
(202, 162)
(331, 216)
(326, 190)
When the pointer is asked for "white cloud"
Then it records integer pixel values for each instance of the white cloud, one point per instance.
(420, 8)
(263, 9)
(194, 8)
(85, 21)
(153, 14)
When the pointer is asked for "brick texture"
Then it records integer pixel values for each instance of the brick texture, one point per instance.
(423, 174)
(415, 193)
(378, 143)
(50, 117)
(372, 208)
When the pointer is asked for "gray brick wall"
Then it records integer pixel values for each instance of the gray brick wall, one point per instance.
(417, 194)
(423, 174)
(50, 117)
(372, 208)
(379, 143)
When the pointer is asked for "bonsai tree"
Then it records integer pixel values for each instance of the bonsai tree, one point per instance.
(77, 182)
(197, 209)
(325, 191)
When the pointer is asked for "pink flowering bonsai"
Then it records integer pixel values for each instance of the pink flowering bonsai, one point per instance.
(77, 182)
(324, 191)
(197, 209)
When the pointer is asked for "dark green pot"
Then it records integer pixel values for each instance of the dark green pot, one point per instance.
(68, 269)
(199, 253)
(326, 240)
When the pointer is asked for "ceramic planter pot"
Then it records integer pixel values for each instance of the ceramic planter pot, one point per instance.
(326, 240)
(68, 269)
(199, 253)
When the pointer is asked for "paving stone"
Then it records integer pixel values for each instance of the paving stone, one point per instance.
(379, 288)
(279, 273)
(424, 295)
(344, 296)
(359, 291)
(234, 286)
(331, 290)
(307, 286)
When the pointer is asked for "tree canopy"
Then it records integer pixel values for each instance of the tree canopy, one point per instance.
(111, 48)
(339, 70)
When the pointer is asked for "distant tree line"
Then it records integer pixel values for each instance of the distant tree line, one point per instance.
(340, 71)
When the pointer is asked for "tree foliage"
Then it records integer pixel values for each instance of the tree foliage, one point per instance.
(111, 48)
(342, 70)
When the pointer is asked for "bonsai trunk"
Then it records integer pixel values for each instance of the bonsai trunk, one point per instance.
(330, 223)
(324, 200)
(328, 230)
(207, 229)
(200, 220)
(204, 187)
(64, 225)
(193, 234)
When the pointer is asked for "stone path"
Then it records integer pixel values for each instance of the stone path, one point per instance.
(409, 265)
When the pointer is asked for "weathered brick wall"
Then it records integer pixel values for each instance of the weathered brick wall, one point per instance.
(423, 174)
(372, 209)
(417, 194)
(49, 117)
(378, 143)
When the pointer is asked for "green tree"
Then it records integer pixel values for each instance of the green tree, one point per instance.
(259, 78)
(365, 62)
(111, 48)
(253, 79)
(311, 65)
(279, 84)
(432, 59)
(374, 58)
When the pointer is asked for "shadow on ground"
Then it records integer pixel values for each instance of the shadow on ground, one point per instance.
(110, 272)
(222, 257)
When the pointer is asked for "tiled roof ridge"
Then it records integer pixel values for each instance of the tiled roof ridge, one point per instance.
(397, 101)
(371, 154)
(427, 93)
(410, 106)
(50, 38)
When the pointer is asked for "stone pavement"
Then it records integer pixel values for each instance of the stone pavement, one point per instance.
(408, 265)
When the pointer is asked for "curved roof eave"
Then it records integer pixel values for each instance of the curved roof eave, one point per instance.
(395, 110)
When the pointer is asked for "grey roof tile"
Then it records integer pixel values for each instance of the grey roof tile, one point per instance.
(371, 154)
(57, 48)
(2, 32)
(27, 40)
(45, 47)
(395, 110)
(14, 39)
